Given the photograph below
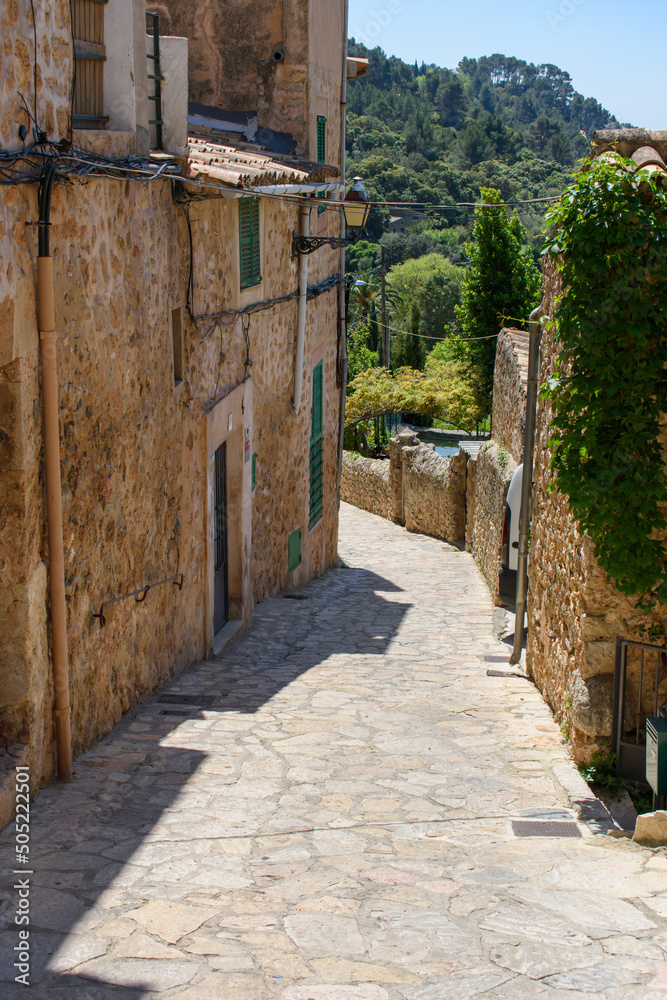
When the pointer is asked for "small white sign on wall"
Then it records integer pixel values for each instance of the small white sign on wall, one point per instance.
(229, 422)
(246, 444)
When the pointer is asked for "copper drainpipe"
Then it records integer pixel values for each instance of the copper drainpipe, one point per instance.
(54, 518)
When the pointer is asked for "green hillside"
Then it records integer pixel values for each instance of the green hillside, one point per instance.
(430, 135)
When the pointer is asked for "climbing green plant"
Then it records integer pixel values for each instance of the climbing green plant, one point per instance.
(610, 383)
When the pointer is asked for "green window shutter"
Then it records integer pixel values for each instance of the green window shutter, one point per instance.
(316, 449)
(321, 139)
(294, 550)
(321, 148)
(316, 421)
(249, 247)
(254, 470)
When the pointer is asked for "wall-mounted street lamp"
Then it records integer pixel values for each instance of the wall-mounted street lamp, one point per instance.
(356, 208)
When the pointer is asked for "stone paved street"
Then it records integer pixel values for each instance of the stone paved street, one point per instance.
(324, 813)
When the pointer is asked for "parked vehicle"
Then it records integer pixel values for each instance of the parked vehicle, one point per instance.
(509, 552)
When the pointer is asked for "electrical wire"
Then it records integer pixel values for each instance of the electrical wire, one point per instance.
(86, 164)
(443, 340)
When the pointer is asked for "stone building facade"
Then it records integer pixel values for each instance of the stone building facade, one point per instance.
(574, 614)
(182, 432)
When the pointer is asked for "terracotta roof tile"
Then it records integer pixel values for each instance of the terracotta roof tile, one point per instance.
(242, 165)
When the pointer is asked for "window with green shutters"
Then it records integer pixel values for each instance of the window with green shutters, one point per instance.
(254, 470)
(321, 148)
(249, 242)
(316, 448)
(294, 550)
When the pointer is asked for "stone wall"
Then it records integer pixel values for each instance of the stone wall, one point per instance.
(50, 104)
(574, 615)
(494, 468)
(417, 487)
(434, 492)
(365, 483)
(134, 455)
(509, 391)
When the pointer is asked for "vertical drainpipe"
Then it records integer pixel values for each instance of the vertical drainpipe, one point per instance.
(341, 288)
(301, 312)
(535, 330)
(54, 518)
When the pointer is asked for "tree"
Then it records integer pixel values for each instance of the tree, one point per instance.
(441, 391)
(359, 357)
(410, 350)
(433, 284)
(502, 285)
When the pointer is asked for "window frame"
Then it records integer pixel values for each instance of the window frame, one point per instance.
(89, 59)
(250, 245)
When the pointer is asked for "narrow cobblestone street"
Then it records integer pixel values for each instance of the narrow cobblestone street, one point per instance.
(324, 813)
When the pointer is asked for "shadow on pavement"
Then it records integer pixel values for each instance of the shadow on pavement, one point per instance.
(85, 836)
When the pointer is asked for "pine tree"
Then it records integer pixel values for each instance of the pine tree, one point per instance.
(502, 286)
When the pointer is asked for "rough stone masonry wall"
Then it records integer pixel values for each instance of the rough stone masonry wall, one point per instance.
(365, 483)
(434, 492)
(416, 486)
(509, 391)
(133, 444)
(574, 615)
(51, 71)
(494, 468)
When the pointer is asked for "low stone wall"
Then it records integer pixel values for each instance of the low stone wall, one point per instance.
(494, 468)
(434, 492)
(416, 487)
(365, 483)
(509, 390)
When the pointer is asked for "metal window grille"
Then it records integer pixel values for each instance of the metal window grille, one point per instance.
(153, 31)
(321, 148)
(89, 58)
(294, 550)
(316, 449)
(249, 242)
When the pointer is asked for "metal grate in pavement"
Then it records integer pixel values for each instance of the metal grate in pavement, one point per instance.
(295, 597)
(542, 828)
(175, 711)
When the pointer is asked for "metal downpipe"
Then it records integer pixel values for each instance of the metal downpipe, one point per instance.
(54, 518)
(535, 331)
(301, 313)
(342, 303)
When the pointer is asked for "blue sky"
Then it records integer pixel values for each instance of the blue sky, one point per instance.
(614, 50)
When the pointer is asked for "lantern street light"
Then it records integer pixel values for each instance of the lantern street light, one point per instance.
(356, 208)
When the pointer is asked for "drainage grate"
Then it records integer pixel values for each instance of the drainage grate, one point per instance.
(295, 597)
(174, 711)
(187, 699)
(537, 828)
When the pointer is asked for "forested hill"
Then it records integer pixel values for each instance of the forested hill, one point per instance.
(434, 135)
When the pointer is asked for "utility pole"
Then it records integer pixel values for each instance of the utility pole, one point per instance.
(385, 322)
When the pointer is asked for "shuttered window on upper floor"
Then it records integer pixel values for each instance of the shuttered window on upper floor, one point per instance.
(249, 246)
(321, 148)
(89, 59)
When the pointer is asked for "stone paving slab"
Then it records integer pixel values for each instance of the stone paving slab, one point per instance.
(336, 823)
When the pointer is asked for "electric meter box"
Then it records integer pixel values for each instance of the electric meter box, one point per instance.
(656, 754)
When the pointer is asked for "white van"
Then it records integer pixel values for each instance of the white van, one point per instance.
(509, 551)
